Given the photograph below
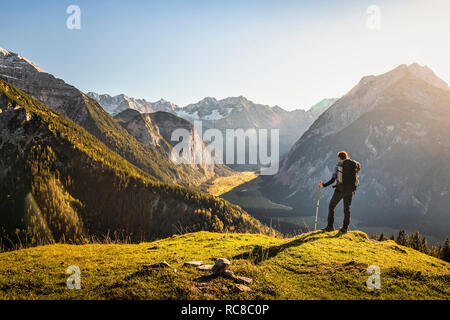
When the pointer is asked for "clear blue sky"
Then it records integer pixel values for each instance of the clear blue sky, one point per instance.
(286, 53)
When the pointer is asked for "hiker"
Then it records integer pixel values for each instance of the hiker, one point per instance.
(346, 175)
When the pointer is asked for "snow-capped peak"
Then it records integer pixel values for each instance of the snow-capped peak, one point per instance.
(14, 60)
(4, 51)
(116, 104)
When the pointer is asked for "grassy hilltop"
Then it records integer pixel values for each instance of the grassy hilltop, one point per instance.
(310, 266)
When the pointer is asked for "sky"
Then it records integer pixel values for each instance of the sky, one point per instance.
(286, 53)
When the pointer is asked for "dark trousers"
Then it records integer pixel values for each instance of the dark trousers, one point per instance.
(338, 196)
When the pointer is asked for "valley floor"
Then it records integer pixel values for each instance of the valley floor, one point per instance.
(248, 195)
(310, 266)
(221, 185)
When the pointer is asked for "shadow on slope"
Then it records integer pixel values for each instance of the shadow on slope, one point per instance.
(260, 254)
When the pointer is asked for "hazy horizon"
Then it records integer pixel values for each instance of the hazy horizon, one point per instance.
(287, 53)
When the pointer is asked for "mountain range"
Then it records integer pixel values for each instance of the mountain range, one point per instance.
(228, 113)
(76, 165)
(80, 108)
(116, 104)
(70, 171)
(60, 183)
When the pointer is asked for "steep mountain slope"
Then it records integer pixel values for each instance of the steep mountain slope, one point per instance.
(69, 101)
(58, 182)
(140, 126)
(155, 130)
(310, 266)
(229, 113)
(168, 123)
(398, 126)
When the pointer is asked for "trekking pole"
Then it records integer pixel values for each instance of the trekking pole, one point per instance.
(317, 210)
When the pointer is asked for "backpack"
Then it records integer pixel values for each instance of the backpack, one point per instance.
(348, 179)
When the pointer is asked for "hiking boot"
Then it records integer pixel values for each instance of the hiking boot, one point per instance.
(343, 230)
(328, 229)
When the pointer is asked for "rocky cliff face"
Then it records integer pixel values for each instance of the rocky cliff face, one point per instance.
(168, 123)
(140, 126)
(398, 126)
(155, 130)
(43, 86)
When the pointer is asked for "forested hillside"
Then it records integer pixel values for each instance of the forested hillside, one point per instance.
(60, 183)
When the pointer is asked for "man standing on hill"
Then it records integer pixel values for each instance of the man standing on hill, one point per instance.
(346, 175)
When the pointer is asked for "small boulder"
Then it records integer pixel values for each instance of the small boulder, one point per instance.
(242, 288)
(243, 280)
(162, 264)
(205, 267)
(193, 263)
(221, 265)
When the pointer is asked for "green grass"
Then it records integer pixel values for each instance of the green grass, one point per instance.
(310, 266)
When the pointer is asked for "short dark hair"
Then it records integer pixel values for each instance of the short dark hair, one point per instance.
(343, 155)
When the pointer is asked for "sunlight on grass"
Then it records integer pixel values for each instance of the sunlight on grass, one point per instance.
(222, 185)
(310, 266)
